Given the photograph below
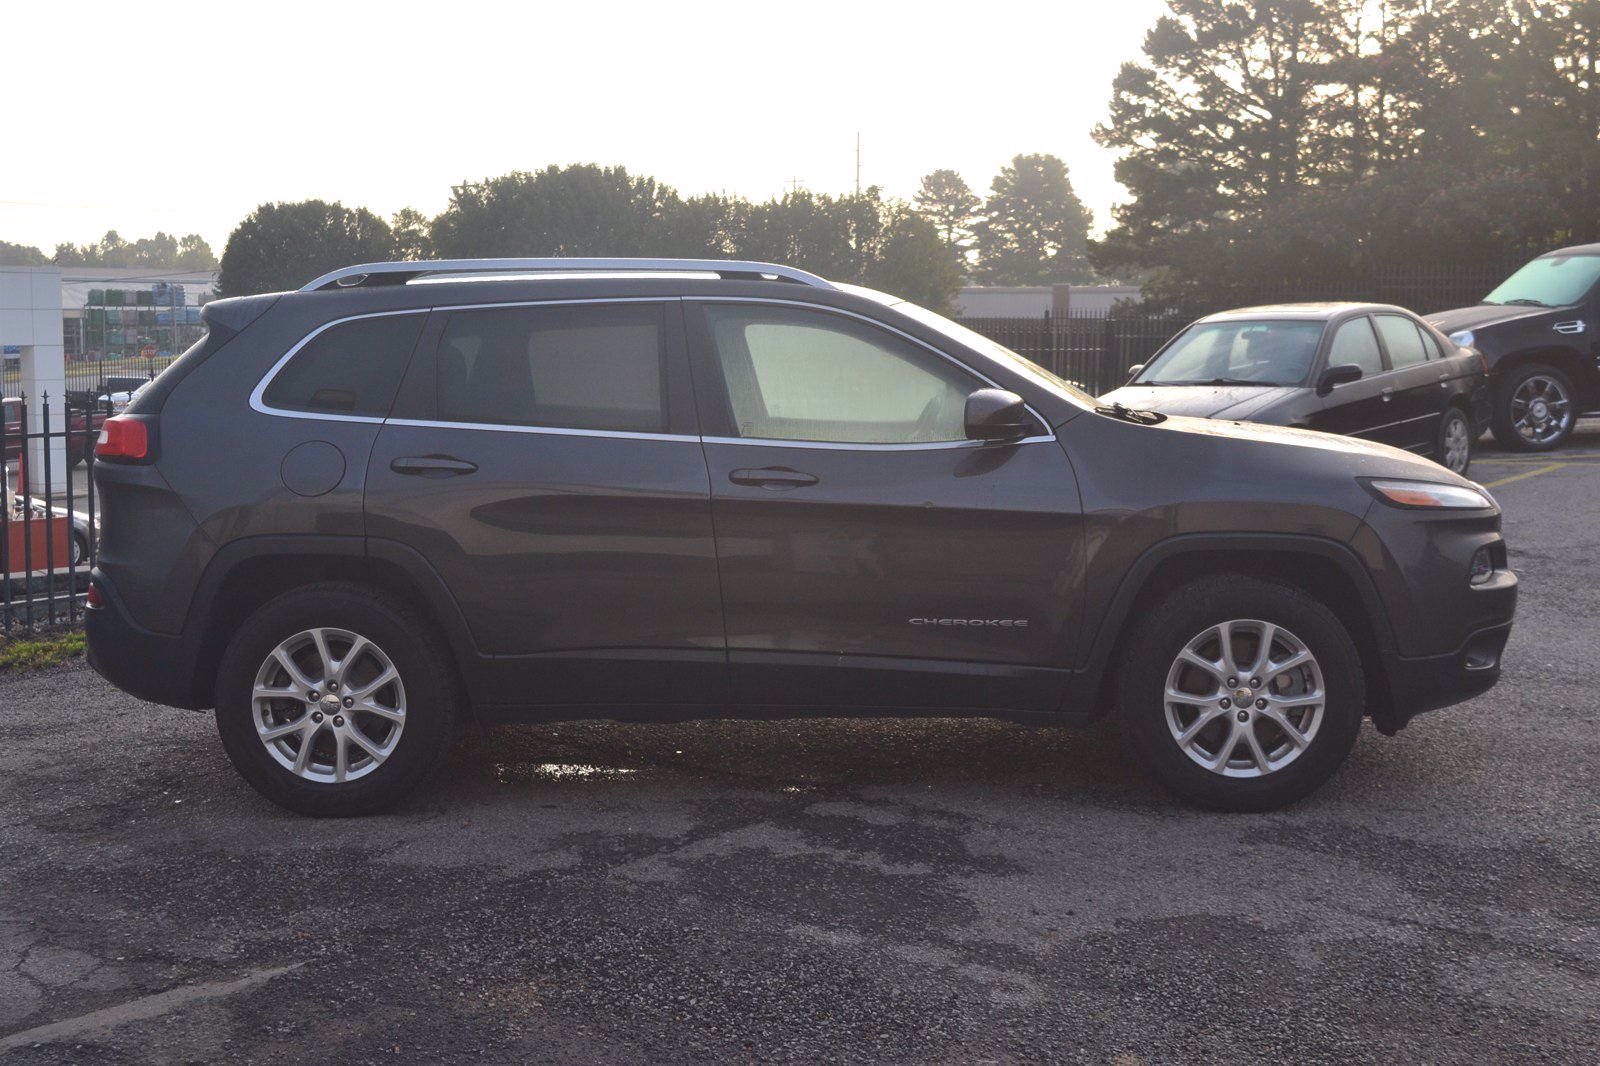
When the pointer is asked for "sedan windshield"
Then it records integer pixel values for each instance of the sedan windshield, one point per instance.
(1549, 281)
(1237, 353)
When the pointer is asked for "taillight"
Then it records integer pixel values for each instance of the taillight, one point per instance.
(123, 438)
(95, 597)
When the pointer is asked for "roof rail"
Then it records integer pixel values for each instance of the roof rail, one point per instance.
(400, 273)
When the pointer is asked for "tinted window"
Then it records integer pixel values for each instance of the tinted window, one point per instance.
(1356, 343)
(349, 369)
(1252, 353)
(1404, 342)
(803, 375)
(567, 367)
(1550, 281)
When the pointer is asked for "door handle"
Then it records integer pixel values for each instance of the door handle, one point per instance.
(772, 477)
(1388, 393)
(432, 466)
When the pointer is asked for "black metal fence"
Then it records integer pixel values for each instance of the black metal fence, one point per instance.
(90, 375)
(1092, 351)
(49, 525)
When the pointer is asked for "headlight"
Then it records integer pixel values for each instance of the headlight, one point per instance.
(1463, 338)
(1429, 495)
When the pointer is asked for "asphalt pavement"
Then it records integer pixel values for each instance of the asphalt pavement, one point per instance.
(942, 890)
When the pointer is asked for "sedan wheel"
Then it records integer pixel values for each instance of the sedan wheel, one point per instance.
(1244, 698)
(1455, 442)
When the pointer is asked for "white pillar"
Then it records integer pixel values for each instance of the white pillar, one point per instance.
(30, 316)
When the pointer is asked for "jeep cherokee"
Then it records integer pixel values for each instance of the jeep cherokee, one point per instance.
(532, 490)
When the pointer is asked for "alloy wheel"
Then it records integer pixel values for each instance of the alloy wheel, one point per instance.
(329, 705)
(1245, 698)
(1541, 410)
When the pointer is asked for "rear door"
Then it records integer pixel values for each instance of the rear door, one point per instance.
(544, 460)
(870, 554)
(1416, 372)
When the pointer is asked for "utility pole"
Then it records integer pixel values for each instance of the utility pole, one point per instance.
(794, 185)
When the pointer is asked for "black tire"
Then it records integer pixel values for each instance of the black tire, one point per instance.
(80, 549)
(412, 645)
(1455, 418)
(1191, 610)
(1504, 421)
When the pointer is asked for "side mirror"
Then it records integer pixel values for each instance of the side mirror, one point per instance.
(1343, 374)
(1133, 371)
(995, 414)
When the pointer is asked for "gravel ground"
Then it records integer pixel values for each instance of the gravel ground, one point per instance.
(928, 890)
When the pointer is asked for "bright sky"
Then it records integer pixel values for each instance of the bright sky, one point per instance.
(183, 117)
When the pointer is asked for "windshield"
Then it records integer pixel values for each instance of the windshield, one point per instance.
(998, 352)
(1236, 353)
(1550, 281)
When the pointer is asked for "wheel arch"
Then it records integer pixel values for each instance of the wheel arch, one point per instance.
(1578, 367)
(248, 573)
(1324, 569)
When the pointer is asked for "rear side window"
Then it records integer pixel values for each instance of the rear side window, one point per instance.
(1403, 339)
(1356, 343)
(582, 366)
(353, 368)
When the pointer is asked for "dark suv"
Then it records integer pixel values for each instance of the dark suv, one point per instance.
(415, 493)
(1537, 335)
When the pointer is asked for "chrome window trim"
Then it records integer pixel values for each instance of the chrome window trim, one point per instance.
(258, 404)
(257, 396)
(869, 446)
(555, 431)
(1048, 435)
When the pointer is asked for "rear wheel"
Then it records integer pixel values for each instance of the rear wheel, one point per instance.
(1242, 694)
(335, 699)
(1453, 449)
(1535, 408)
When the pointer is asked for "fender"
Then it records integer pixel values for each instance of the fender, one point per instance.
(203, 629)
(1091, 669)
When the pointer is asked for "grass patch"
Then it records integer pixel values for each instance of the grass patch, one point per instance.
(37, 652)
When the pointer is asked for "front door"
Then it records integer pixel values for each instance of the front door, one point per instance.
(543, 459)
(870, 554)
(1365, 407)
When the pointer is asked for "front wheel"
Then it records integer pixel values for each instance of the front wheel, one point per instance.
(1535, 409)
(1453, 449)
(336, 699)
(1242, 694)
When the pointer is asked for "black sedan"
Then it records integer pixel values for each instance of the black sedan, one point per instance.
(1365, 370)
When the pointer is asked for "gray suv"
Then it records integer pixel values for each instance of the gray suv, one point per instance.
(409, 495)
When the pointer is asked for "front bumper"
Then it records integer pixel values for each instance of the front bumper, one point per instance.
(1414, 685)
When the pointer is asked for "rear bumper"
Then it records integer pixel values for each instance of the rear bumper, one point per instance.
(152, 666)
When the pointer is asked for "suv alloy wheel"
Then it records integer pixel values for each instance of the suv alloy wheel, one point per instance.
(1242, 694)
(336, 699)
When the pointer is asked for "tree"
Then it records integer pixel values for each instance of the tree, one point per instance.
(411, 239)
(281, 246)
(582, 210)
(945, 199)
(1034, 229)
(195, 254)
(914, 263)
(1271, 140)
(20, 255)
